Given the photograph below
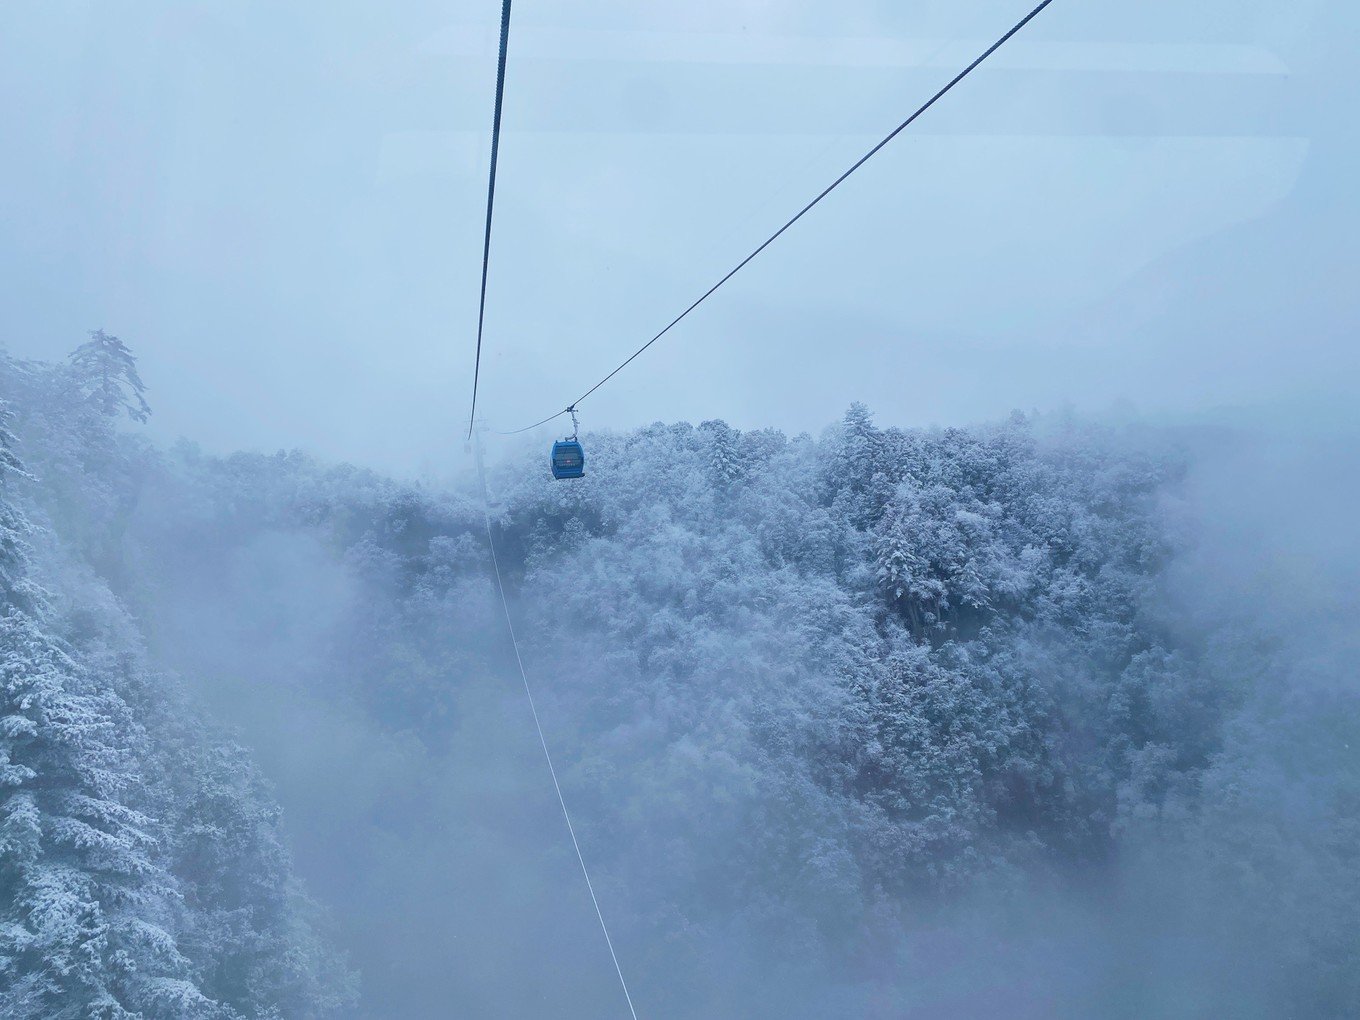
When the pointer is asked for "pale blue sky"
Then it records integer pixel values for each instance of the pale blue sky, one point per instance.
(279, 208)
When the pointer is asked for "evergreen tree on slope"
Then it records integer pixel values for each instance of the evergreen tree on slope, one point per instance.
(105, 372)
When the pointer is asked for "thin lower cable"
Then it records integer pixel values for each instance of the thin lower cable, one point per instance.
(533, 709)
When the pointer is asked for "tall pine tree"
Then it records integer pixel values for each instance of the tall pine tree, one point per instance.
(105, 372)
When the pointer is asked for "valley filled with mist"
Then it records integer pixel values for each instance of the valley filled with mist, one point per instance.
(1048, 716)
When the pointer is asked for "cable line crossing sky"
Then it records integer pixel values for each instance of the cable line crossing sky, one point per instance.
(490, 202)
(1015, 29)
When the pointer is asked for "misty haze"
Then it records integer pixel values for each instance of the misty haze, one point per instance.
(953, 615)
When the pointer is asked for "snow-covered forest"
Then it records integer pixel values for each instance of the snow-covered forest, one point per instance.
(885, 723)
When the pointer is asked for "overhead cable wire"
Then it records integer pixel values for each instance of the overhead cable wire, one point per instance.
(1016, 28)
(490, 202)
(542, 740)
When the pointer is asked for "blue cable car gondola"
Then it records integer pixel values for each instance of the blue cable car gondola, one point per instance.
(568, 458)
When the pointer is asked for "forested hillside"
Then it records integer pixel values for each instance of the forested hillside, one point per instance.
(143, 872)
(885, 723)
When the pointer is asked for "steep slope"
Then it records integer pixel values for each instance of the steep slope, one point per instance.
(142, 869)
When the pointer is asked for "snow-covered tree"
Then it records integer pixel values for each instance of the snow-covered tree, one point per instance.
(105, 373)
(725, 460)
